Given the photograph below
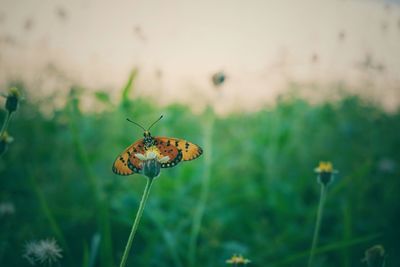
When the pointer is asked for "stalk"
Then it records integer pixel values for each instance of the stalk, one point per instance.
(5, 123)
(317, 223)
(136, 222)
(199, 213)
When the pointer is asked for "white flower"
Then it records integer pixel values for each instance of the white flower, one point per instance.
(151, 162)
(152, 154)
(43, 251)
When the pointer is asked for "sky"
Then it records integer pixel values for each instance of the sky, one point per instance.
(177, 45)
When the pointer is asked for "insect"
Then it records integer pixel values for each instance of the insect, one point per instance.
(176, 149)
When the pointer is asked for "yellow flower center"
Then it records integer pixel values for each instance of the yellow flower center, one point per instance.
(154, 150)
(325, 166)
(237, 260)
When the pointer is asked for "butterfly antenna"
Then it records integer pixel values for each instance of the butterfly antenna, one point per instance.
(136, 124)
(155, 122)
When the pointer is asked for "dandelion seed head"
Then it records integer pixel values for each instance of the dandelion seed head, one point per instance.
(375, 256)
(44, 251)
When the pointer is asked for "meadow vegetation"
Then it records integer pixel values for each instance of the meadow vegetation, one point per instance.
(262, 190)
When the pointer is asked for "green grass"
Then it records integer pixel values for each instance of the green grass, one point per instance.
(262, 194)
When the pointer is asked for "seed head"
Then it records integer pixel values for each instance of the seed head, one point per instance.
(375, 256)
(42, 252)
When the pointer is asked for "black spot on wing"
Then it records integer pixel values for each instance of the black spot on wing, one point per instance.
(133, 167)
(116, 171)
(173, 162)
(198, 154)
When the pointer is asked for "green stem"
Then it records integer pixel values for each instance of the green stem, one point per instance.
(347, 232)
(317, 223)
(54, 226)
(101, 204)
(5, 124)
(199, 213)
(292, 258)
(136, 222)
(168, 240)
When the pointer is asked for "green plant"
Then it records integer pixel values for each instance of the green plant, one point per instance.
(325, 178)
(12, 101)
(151, 164)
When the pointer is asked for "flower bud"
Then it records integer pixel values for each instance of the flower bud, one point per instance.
(12, 99)
(5, 139)
(325, 173)
(151, 168)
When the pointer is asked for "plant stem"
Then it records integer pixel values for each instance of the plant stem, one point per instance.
(48, 214)
(317, 223)
(5, 124)
(198, 216)
(291, 259)
(101, 205)
(136, 222)
(347, 232)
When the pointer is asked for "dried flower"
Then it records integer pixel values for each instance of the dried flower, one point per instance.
(325, 172)
(375, 256)
(5, 139)
(238, 260)
(151, 162)
(44, 252)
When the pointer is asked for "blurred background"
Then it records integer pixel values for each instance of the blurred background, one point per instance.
(267, 88)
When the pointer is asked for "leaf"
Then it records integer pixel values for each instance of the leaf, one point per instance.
(126, 91)
(102, 97)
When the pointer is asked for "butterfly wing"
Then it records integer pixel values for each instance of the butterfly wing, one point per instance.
(190, 151)
(127, 163)
(166, 149)
(177, 150)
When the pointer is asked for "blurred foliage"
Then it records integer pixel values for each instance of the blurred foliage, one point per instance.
(263, 191)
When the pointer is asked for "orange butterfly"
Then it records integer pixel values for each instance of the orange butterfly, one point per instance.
(175, 149)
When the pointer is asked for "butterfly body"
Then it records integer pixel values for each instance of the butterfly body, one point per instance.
(175, 149)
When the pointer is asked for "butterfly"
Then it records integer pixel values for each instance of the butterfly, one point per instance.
(175, 149)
